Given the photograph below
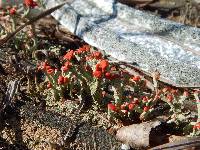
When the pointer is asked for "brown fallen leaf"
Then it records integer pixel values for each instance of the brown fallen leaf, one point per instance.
(137, 135)
(139, 3)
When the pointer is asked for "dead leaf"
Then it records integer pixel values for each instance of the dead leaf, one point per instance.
(137, 135)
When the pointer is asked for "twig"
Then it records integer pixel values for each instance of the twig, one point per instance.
(188, 143)
(31, 21)
(11, 91)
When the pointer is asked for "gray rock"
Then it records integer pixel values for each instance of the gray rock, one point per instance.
(137, 37)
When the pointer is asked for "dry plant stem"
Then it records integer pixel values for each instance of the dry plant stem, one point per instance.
(186, 12)
(29, 85)
(27, 12)
(13, 24)
(43, 14)
(34, 38)
(156, 76)
(196, 21)
(196, 95)
(36, 83)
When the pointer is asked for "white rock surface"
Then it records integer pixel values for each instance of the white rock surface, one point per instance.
(136, 37)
